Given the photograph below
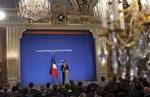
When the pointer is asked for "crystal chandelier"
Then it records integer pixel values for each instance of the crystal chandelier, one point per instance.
(125, 19)
(33, 9)
(125, 27)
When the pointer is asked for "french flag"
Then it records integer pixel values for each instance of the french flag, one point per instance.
(53, 70)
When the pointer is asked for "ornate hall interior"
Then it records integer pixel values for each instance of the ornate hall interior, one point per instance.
(120, 29)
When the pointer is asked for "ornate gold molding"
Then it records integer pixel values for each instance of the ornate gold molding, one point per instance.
(13, 49)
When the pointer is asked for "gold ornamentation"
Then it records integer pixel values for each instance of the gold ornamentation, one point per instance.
(33, 9)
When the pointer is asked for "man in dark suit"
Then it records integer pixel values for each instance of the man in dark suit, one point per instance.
(64, 69)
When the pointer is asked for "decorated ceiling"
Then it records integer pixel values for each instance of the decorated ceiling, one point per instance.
(81, 6)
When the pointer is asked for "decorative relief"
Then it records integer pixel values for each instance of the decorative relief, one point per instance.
(58, 13)
(58, 7)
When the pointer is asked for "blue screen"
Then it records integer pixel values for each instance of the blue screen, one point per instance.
(37, 50)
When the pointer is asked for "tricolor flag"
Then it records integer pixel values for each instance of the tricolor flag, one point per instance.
(53, 69)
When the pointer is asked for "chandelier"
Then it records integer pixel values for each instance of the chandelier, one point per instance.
(125, 27)
(33, 9)
(122, 19)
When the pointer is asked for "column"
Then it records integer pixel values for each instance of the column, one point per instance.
(13, 54)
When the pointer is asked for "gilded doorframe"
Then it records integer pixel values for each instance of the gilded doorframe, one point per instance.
(14, 33)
